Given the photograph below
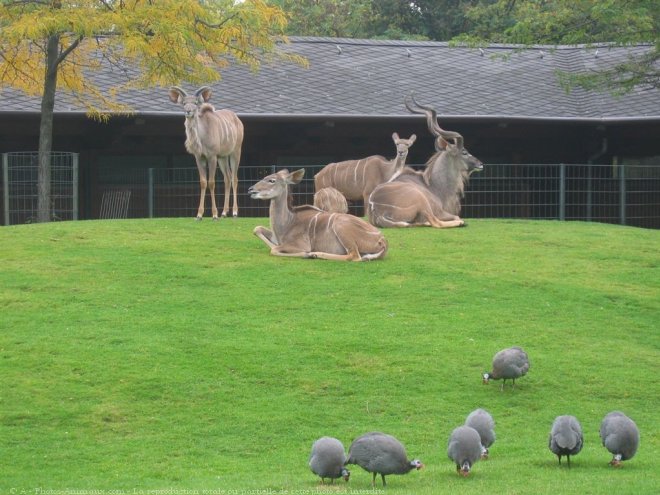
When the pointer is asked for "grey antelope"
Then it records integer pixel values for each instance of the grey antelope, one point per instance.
(214, 138)
(432, 197)
(355, 179)
(307, 232)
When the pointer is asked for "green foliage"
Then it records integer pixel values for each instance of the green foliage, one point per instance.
(385, 19)
(171, 354)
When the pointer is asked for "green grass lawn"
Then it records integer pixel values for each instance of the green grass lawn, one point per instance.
(177, 355)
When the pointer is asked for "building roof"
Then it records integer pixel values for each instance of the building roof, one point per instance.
(369, 78)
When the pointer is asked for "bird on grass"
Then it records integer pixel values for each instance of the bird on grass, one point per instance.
(620, 436)
(508, 364)
(464, 448)
(483, 422)
(327, 459)
(380, 453)
(565, 437)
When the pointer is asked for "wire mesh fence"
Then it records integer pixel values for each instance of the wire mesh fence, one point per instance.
(623, 194)
(19, 186)
(627, 194)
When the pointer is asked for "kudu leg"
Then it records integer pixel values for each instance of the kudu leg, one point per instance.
(265, 235)
(234, 177)
(227, 179)
(212, 166)
(201, 168)
(445, 224)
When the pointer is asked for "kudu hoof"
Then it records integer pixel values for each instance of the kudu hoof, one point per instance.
(215, 219)
(198, 218)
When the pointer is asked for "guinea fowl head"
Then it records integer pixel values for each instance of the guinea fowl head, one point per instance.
(486, 376)
(465, 469)
(345, 473)
(616, 461)
(416, 464)
(484, 452)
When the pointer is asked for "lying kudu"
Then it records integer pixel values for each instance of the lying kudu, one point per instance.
(356, 179)
(307, 232)
(431, 198)
(331, 200)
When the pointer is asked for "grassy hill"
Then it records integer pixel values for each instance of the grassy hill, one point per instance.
(178, 355)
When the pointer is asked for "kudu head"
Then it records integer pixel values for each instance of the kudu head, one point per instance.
(402, 145)
(275, 185)
(190, 103)
(445, 141)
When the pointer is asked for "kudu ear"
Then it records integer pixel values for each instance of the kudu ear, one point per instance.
(412, 139)
(176, 94)
(296, 177)
(204, 93)
(395, 136)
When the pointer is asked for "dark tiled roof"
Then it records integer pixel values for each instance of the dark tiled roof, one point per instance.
(370, 78)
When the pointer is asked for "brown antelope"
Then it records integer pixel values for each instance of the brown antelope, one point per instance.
(356, 179)
(214, 138)
(307, 232)
(430, 198)
(331, 200)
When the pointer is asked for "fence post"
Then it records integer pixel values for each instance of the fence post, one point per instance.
(150, 175)
(5, 185)
(622, 194)
(589, 192)
(562, 191)
(74, 186)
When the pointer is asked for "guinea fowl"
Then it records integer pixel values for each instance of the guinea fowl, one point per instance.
(328, 458)
(508, 364)
(620, 436)
(565, 437)
(483, 422)
(379, 453)
(464, 448)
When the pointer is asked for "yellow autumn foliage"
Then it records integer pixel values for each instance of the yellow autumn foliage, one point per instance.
(164, 42)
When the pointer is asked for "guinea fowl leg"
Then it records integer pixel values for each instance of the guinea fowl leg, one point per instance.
(383, 476)
(373, 480)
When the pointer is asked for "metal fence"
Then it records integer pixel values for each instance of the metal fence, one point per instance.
(622, 194)
(628, 195)
(19, 186)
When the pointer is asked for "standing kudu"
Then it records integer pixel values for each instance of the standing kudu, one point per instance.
(431, 198)
(214, 138)
(307, 232)
(356, 179)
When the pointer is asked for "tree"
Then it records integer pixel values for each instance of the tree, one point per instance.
(573, 22)
(335, 18)
(479, 22)
(48, 46)
(388, 19)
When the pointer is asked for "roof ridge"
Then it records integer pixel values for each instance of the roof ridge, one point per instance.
(449, 44)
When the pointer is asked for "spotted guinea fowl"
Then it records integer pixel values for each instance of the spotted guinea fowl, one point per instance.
(508, 364)
(327, 459)
(620, 436)
(464, 448)
(379, 453)
(483, 422)
(565, 437)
